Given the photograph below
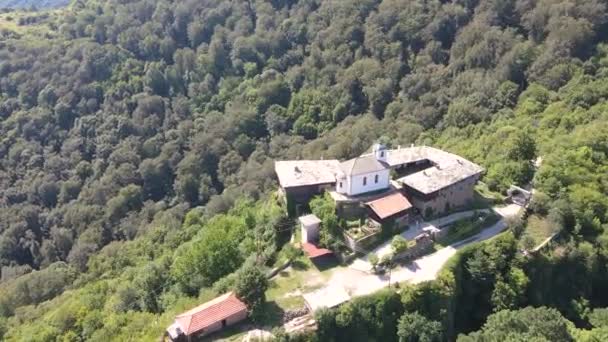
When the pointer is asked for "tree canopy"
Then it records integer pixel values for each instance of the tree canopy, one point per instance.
(138, 140)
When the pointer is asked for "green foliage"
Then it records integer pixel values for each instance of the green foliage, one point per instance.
(475, 274)
(434, 300)
(413, 327)
(465, 228)
(599, 318)
(251, 285)
(399, 244)
(35, 287)
(387, 260)
(539, 324)
(324, 208)
(291, 252)
(213, 254)
(366, 318)
(117, 118)
(373, 260)
(510, 293)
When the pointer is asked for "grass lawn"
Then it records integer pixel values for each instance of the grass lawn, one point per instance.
(284, 293)
(537, 230)
(286, 288)
(465, 228)
(230, 334)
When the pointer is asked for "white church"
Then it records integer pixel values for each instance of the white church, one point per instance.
(364, 174)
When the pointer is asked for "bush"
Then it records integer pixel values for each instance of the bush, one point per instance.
(386, 260)
(399, 244)
(373, 260)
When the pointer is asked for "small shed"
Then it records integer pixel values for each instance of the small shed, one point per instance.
(310, 228)
(314, 252)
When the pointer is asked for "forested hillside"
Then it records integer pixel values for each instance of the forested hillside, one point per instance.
(138, 140)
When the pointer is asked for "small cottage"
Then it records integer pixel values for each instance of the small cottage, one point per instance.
(209, 317)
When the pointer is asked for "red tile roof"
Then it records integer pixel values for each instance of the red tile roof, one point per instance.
(214, 311)
(313, 251)
(389, 205)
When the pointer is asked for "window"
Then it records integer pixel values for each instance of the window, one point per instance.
(364, 181)
(376, 179)
(340, 185)
(381, 154)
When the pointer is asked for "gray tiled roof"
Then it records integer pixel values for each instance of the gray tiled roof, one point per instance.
(293, 173)
(447, 168)
(362, 165)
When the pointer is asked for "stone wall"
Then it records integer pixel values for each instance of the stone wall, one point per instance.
(361, 245)
(458, 195)
(422, 247)
(350, 210)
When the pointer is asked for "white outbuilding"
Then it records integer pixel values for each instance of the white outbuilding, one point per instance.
(310, 228)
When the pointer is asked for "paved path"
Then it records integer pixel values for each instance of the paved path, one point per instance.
(358, 282)
(363, 264)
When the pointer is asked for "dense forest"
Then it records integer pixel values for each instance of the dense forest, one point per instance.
(138, 140)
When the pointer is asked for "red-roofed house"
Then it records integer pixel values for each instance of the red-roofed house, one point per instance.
(212, 316)
(393, 208)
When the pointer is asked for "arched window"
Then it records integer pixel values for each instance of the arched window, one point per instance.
(364, 181)
(376, 179)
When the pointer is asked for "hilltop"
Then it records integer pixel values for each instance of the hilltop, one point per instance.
(138, 140)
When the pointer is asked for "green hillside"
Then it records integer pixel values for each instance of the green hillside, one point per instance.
(137, 141)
